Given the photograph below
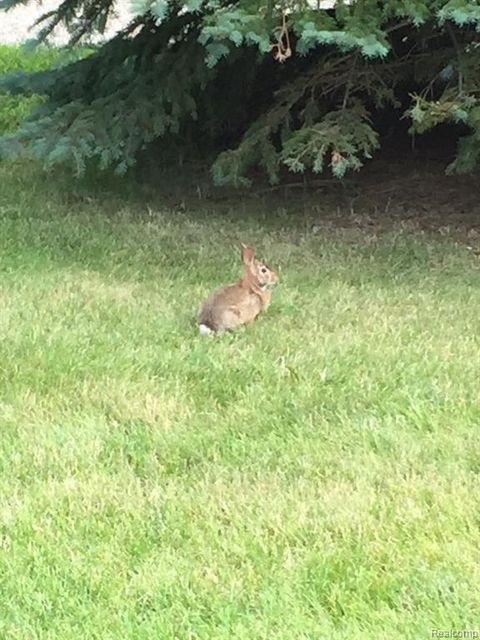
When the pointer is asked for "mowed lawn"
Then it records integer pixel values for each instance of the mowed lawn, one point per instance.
(315, 476)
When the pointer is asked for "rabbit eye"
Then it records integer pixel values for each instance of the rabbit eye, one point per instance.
(263, 270)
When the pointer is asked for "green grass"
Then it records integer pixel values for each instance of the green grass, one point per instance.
(315, 476)
(13, 109)
(14, 58)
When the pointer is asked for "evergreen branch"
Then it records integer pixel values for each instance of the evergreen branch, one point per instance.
(458, 54)
(348, 85)
(6, 5)
(199, 75)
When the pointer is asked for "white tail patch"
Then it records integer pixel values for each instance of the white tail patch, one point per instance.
(204, 330)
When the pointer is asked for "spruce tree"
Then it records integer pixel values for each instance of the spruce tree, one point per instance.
(288, 86)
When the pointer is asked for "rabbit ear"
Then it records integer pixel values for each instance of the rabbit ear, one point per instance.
(247, 253)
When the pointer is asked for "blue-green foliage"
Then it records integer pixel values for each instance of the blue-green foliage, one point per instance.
(208, 76)
(344, 137)
(236, 26)
(460, 12)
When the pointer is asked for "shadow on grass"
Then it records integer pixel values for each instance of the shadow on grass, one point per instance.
(114, 226)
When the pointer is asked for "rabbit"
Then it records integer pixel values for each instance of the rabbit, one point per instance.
(239, 303)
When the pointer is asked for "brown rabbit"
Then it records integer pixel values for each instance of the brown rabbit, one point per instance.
(239, 303)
